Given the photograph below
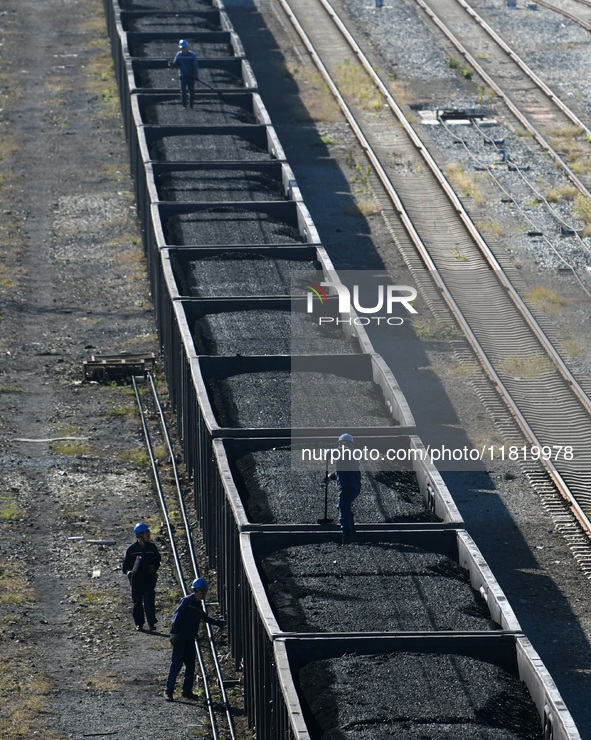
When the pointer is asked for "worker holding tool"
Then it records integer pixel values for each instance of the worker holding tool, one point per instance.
(186, 61)
(141, 564)
(185, 623)
(348, 478)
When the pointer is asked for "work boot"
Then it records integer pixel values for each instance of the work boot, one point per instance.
(190, 695)
(139, 627)
(168, 696)
(346, 539)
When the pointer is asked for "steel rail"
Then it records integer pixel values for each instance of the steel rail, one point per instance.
(422, 249)
(457, 204)
(209, 700)
(506, 99)
(212, 644)
(565, 13)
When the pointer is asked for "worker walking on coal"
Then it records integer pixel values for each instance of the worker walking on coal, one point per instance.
(185, 623)
(141, 564)
(186, 61)
(348, 478)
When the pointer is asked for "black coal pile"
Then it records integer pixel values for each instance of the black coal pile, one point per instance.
(414, 696)
(273, 491)
(370, 587)
(198, 147)
(264, 400)
(176, 24)
(163, 78)
(217, 186)
(238, 274)
(207, 111)
(227, 225)
(165, 5)
(266, 332)
(167, 49)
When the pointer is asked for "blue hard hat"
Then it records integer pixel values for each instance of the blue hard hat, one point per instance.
(140, 527)
(200, 583)
(346, 438)
(183, 43)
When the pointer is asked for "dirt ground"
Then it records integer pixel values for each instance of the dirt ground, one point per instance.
(73, 283)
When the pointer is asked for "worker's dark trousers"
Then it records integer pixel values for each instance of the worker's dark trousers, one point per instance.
(184, 652)
(187, 90)
(144, 597)
(346, 498)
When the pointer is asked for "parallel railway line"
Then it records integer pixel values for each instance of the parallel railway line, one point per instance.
(477, 288)
(258, 514)
(222, 722)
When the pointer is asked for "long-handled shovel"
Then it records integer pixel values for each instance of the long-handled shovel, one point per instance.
(326, 520)
(217, 92)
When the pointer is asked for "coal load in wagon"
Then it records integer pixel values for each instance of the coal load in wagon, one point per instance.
(207, 111)
(159, 77)
(415, 696)
(266, 332)
(274, 493)
(166, 5)
(229, 225)
(181, 24)
(370, 587)
(167, 48)
(263, 400)
(201, 147)
(219, 185)
(237, 274)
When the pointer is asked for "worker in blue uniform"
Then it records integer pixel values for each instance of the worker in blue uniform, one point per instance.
(141, 564)
(348, 478)
(185, 623)
(186, 61)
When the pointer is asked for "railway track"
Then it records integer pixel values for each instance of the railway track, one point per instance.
(185, 560)
(517, 355)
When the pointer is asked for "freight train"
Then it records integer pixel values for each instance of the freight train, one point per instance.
(405, 633)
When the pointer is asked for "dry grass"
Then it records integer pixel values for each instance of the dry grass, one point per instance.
(519, 366)
(546, 299)
(354, 82)
(571, 345)
(463, 183)
(583, 211)
(317, 100)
